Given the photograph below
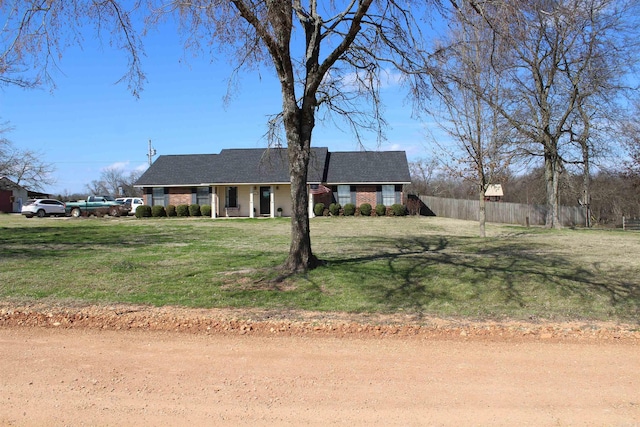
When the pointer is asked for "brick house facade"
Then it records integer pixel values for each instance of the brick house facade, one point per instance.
(255, 182)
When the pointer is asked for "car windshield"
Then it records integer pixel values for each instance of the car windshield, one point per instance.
(30, 202)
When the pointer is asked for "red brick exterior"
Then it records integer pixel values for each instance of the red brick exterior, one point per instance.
(366, 194)
(179, 196)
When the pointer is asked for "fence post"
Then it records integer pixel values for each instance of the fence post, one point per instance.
(623, 225)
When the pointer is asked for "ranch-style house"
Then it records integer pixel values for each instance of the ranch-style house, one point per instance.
(255, 182)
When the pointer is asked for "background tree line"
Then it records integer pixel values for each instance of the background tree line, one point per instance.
(615, 192)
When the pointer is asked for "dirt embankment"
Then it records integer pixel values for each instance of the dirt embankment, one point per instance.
(298, 323)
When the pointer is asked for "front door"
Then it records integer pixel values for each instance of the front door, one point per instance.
(265, 200)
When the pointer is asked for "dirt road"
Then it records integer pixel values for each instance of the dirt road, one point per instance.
(59, 375)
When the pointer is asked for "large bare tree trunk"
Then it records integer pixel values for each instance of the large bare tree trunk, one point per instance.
(300, 256)
(298, 124)
(482, 214)
(552, 178)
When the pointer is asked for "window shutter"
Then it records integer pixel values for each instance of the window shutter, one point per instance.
(194, 195)
(379, 194)
(354, 192)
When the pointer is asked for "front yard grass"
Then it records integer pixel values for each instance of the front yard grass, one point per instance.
(414, 265)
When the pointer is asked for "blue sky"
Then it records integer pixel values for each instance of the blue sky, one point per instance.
(89, 123)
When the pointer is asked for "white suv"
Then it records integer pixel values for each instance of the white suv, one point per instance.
(133, 201)
(43, 207)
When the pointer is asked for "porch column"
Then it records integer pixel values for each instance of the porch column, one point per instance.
(252, 190)
(311, 203)
(272, 202)
(214, 202)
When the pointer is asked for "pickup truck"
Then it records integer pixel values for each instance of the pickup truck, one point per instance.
(96, 205)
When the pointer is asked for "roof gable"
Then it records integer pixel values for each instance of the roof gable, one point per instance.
(354, 167)
(7, 184)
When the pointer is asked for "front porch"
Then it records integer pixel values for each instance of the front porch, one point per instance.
(251, 201)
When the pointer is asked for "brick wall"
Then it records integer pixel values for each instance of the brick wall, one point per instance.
(366, 194)
(179, 196)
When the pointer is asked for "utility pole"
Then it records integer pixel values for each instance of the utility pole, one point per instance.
(151, 153)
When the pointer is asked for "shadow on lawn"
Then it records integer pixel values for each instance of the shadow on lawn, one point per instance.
(42, 242)
(430, 271)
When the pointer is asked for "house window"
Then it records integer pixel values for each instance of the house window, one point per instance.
(202, 196)
(157, 196)
(388, 195)
(231, 200)
(344, 194)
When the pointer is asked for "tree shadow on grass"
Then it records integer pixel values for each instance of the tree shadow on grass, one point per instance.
(492, 277)
(45, 242)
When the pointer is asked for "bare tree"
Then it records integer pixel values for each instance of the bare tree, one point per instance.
(561, 56)
(327, 56)
(630, 130)
(115, 182)
(424, 177)
(24, 167)
(467, 86)
(34, 34)
(98, 187)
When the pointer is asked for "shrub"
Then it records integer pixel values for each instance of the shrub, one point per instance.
(334, 209)
(205, 210)
(182, 210)
(143, 211)
(318, 209)
(171, 210)
(365, 209)
(381, 210)
(194, 210)
(398, 209)
(349, 209)
(158, 211)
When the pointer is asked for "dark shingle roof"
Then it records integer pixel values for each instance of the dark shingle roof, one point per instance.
(231, 166)
(178, 170)
(270, 166)
(250, 166)
(359, 167)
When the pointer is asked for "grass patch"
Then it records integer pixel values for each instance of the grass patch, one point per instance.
(429, 266)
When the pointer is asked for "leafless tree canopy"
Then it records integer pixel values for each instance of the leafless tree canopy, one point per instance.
(34, 34)
(114, 182)
(477, 146)
(24, 167)
(564, 69)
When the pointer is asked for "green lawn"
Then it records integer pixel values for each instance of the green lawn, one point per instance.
(429, 266)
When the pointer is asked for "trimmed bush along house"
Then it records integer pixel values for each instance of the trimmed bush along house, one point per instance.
(255, 182)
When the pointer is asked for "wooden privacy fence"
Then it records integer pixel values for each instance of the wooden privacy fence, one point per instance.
(631, 224)
(500, 212)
